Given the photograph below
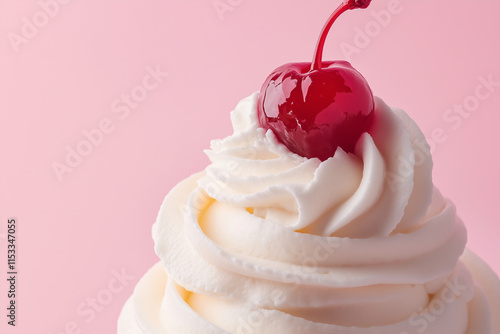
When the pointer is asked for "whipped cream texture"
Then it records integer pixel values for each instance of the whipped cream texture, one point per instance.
(266, 241)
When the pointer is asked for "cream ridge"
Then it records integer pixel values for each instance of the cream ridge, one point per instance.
(266, 241)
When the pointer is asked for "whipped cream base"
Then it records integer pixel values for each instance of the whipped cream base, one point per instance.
(142, 319)
(160, 305)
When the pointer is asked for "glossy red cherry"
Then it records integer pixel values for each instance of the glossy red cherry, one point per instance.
(315, 108)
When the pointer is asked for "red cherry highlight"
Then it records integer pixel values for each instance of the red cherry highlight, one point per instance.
(314, 108)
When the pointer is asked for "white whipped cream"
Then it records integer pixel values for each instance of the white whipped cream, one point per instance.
(266, 241)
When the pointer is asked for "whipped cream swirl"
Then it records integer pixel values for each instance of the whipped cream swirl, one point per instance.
(266, 241)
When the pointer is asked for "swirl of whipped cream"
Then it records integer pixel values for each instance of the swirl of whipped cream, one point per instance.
(265, 241)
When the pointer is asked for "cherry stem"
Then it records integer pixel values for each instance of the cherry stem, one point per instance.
(347, 4)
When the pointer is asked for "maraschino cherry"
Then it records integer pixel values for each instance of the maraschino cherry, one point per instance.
(314, 108)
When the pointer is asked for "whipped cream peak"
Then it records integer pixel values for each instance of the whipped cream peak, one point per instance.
(265, 241)
(352, 195)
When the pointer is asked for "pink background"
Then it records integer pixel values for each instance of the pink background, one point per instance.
(75, 233)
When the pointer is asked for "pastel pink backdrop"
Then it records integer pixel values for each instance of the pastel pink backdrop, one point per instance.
(75, 233)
